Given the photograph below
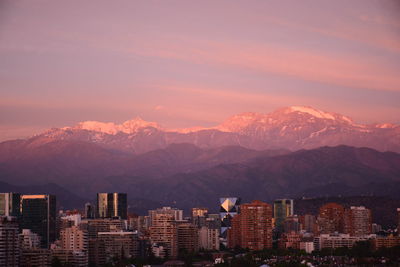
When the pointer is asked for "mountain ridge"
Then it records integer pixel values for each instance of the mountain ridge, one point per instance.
(185, 176)
(290, 128)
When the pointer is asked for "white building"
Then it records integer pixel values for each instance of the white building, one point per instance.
(209, 238)
(338, 240)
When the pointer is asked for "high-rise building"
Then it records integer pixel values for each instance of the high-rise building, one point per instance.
(358, 221)
(175, 213)
(331, 218)
(209, 238)
(10, 204)
(9, 242)
(38, 213)
(291, 224)
(199, 216)
(187, 237)
(307, 222)
(229, 208)
(163, 233)
(199, 212)
(282, 209)
(90, 211)
(252, 228)
(74, 238)
(112, 205)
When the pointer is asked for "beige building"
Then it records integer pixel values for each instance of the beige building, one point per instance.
(74, 238)
(338, 240)
(176, 214)
(209, 238)
(163, 232)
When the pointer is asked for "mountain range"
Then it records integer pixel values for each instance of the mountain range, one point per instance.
(291, 128)
(291, 152)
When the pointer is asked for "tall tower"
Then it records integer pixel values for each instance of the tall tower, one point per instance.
(10, 204)
(163, 231)
(229, 207)
(282, 208)
(111, 205)
(39, 214)
(252, 228)
(89, 211)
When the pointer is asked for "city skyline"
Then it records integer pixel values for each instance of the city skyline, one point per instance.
(199, 133)
(194, 64)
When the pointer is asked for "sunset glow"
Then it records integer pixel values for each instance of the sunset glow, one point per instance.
(185, 64)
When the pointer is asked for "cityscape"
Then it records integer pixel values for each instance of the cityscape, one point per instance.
(35, 233)
(176, 133)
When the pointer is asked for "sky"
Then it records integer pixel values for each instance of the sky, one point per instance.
(194, 63)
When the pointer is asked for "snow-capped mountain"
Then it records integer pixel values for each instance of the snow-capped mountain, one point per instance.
(293, 128)
(128, 127)
(246, 155)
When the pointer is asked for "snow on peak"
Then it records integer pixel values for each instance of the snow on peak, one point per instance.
(385, 125)
(104, 127)
(240, 121)
(313, 112)
(137, 123)
(188, 130)
(129, 127)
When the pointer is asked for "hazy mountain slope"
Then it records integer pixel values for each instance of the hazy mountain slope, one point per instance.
(268, 178)
(184, 175)
(86, 167)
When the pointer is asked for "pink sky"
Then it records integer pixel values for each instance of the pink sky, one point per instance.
(191, 63)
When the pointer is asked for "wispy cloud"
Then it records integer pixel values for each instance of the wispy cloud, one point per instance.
(338, 69)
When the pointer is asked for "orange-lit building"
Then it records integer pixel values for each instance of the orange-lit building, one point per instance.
(358, 221)
(199, 212)
(252, 228)
(386, 242)
(330, 218)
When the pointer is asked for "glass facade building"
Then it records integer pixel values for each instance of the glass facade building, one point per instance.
(229, 207)
(38, 213)
(112, 205)
(282, 208)
(10, 204)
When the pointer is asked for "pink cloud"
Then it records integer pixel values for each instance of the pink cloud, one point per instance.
(338, 69)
